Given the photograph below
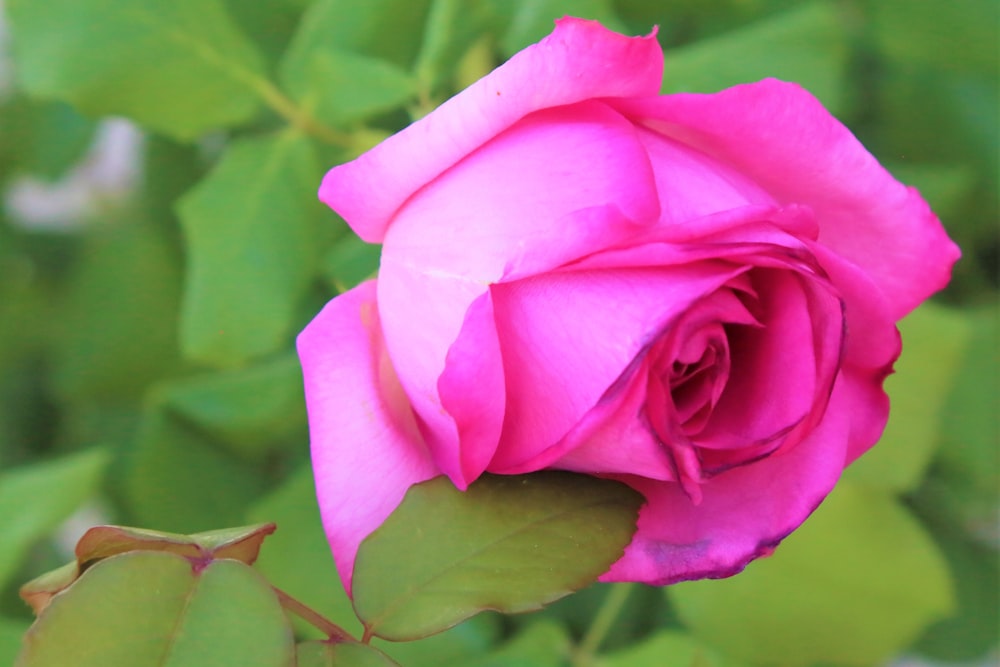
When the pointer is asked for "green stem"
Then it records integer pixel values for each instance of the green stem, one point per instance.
(334, 632)
(295, 115)
(613, 603)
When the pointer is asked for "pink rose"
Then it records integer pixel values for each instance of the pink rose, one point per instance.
(693, 294)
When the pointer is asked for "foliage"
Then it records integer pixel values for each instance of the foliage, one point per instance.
(147, 374)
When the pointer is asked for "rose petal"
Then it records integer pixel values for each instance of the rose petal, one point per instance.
(366, 449)
(580, 60)
(472, 390)
(566, 336)
(779, 136)
(743, 514)
(552, 188)
(692, 185)
(614, 437)
(778, 370)
(873, 344)
(511, 207)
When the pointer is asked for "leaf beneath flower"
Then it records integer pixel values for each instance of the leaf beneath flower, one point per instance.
(509, 543)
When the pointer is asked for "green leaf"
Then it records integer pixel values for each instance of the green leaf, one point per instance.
(960, 34)
(100, 542)
(242, 544)
(455, 646)
(36, 498)
(508, 543)
(270, 24)
(534, 19)
(341, 654)
(250, 231)
(934, 339)
(944, 186)
(342, 86)
(130, 274)
(861, 568)
(38, 592)
(807, 44)
(350, 262)
(180, 480)
(667, 648)
(968, 462)
(298, 559)
(157, 609)
(643, 611)
(971, 632)
(541, 644)
(452, 28)
(42, 138)
(11, 632)
(381, 29)
(254, 409)
(180, 67)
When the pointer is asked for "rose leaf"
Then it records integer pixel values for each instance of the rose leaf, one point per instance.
(149, 608)
(508, 543)
(250, 230)
(180, 67)
(341, 654)
(861, 567)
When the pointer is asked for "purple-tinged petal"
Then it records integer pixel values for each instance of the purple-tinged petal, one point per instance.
(743, 513)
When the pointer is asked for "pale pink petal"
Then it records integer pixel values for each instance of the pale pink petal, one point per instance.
(366, 449)
(743, 514)
(580, 60)
(779, 136)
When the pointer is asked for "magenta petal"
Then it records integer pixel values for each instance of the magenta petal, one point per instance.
(743, 513)
(472, 390)
(580, 60)
(614, 438)
(873, 344)
(366, 449)
(566, 337)
(422, 315)
(692, 185)
(780, 137)
(554, 187)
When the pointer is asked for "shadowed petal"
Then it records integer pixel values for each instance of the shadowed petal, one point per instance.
(743, 513)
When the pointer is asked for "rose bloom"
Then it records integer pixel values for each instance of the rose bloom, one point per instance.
(693, 294)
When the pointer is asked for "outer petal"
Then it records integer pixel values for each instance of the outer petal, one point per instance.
(580, 60)
(744, 513)
(782, 138)
(873, 344)
(553, 188)
(366, 450)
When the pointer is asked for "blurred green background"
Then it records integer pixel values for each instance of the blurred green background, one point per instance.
(161, 245)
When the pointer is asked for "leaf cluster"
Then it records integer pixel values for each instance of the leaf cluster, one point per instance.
(149, 297)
